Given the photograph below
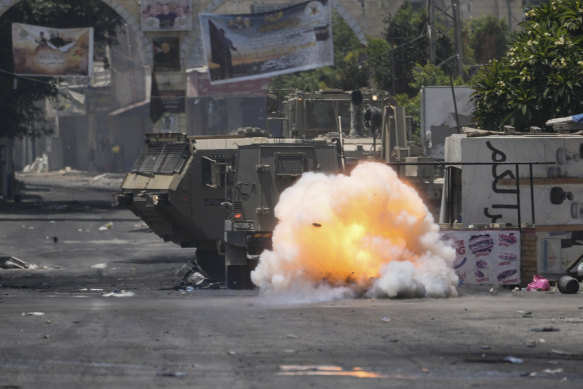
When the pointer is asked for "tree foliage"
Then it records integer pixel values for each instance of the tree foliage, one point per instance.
(406, 35)
(541, 75)
(488, 39)
(19, 96)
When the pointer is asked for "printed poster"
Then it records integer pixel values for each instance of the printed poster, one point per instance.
(166, 15)
(44, 51)
(249, 46)
(490, 257)
(166, 54)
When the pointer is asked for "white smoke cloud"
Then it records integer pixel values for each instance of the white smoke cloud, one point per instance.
(368, 232)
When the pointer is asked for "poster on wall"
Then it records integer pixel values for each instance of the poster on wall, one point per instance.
(490, 257)
(44, 51)
(248, 46)
(489, 193)
(166, 15)
(166, 54)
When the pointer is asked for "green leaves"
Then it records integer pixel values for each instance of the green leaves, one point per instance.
(540, 76)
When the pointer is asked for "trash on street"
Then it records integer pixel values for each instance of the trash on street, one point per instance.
(14, 263)
(539, 283)
(119, 293)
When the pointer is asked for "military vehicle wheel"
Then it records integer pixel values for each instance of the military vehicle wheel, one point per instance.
(237, 270)
(238, 277)
(212, 263)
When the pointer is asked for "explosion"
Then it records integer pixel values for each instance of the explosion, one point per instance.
(368, 233)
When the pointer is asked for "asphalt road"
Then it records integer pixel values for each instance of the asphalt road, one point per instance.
(59, 326)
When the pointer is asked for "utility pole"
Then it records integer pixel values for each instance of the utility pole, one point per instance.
(449, 24)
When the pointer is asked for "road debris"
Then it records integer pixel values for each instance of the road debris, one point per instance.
(15, 263)
(539, 283)
(33, 313)
(119, 293)
(545, 329)
(513, 360)
(191, 275)
(177, 374)
(568, 285)
(106, 226)
(553, 371)
(563, 353)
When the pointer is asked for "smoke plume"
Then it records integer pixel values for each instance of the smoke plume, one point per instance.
(368, 233)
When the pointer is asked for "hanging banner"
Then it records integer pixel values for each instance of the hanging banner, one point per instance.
(166, 54)
(490, 257)
(44, 51)
(249, 46)
(166, 15)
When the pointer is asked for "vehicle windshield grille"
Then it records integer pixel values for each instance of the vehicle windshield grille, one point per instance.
(289, 165)
(162, 158)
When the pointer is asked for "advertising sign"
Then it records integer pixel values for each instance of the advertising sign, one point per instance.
(490, 257)
(166, 15)
(248, 46)
(44, 51)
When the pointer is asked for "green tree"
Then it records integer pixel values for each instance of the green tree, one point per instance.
(541, 75)
(488, 39)
(19, 96)
(378, 60)
(406, 34)
(347, 73)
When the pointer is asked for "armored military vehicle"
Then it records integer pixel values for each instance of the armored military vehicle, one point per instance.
(218, 193)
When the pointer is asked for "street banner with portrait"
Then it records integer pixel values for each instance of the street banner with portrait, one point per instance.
(166, 54)
(166, 15)
(47, 51)
(249, 46)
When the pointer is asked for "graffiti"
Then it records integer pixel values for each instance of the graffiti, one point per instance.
(499, 157)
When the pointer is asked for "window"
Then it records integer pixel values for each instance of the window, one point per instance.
(162, 158)
(289, 164)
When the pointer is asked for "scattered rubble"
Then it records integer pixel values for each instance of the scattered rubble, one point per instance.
(513, 360)
(15, 263)
(545, 329)
(119, 293)
(191, 276)
(106, 226)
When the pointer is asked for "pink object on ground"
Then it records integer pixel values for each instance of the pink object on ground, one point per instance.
(539, 283)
